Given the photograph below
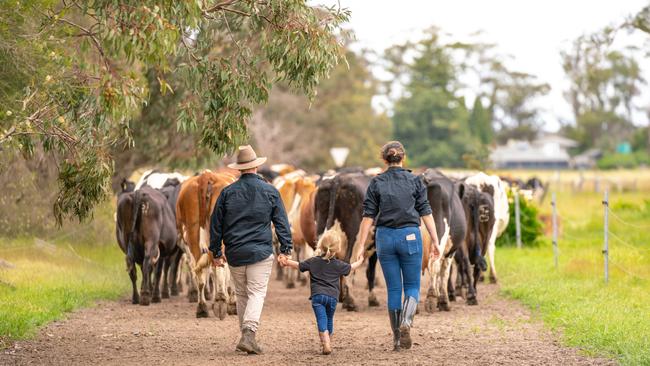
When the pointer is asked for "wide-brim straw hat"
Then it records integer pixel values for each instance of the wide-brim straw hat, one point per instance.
(247, 159)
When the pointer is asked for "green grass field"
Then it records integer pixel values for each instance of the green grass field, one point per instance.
(70, 268)
(606, 319)
(49, 280)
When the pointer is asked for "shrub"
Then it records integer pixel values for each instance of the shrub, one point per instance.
(531, 226)
(624, 161)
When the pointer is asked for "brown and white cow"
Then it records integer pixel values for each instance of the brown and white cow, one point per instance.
(303, 226)
(196, 200)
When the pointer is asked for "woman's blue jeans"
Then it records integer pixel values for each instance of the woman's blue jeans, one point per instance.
(324, 307)
(400, 254)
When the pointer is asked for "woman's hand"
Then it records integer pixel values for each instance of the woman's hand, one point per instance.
(430, 224)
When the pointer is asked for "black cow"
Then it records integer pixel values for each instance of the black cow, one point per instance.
(339, 207)
(479, 214)
(446, 204)
(146, 233)
(172, 263)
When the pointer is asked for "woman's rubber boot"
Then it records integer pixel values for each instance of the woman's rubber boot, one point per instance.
(408, 312)
(394, 316)
(325, 342)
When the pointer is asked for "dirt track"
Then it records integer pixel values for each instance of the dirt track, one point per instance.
(496, 332)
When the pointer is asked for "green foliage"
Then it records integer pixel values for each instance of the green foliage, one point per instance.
(480, 123)
(604, 84)
(598, 318)
(531, 226)
(80, 72)
(291, 129)
(623, 161)
(429, 118)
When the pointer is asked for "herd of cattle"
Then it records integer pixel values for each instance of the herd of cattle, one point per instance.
(162, 225)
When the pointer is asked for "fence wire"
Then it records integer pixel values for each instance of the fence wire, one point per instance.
(616, 239)
(619, 219)
(620, 240)
(622, 269)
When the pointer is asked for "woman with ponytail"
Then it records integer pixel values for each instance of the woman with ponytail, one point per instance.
(325, 272)
(396, 202)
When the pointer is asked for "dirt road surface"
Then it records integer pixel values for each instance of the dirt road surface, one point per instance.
(496, 332)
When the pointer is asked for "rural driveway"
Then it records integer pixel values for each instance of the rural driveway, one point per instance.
(496, 332)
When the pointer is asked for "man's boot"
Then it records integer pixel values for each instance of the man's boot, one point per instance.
(325, 342)
(408, 312)
(394, 316)
(248, 344)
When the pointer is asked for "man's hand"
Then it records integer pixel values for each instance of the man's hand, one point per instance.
(219, 262)
(282, 259)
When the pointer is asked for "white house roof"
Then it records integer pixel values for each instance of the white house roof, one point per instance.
(524, 151)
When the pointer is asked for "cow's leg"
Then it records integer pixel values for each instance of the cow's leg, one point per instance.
(276, 251)
(290, 273)
(201, 279)
(193, 291)
(433, 293)
(174, 275)
(133, 274)
(471, 290)
(193, 287)
(302, 255)
(160, 264)
(443, 281)
(454, 274)
(166, 276)
(232, 298)
(151, 258)
(371, 272)
(490, 252)
(219, 307)
(346, 294)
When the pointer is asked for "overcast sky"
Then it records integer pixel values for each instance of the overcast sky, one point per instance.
(532, 32)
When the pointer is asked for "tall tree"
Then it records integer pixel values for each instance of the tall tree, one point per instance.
(480, 122)
(429, 117)
(603, 86)
(294, 130)
(83, 72)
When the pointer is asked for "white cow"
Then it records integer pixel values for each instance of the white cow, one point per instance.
(156, 180)
(501, 212)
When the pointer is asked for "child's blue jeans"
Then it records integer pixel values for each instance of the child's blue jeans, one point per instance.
(324, 307)
(400, 254)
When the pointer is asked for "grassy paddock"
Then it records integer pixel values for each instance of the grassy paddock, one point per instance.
(606, 319)
(49, 280)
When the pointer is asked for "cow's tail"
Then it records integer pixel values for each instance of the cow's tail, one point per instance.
(205, 196)
(478, 255)
(135, 227)
(332, 202)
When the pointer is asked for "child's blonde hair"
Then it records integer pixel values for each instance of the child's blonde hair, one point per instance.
(331, 241)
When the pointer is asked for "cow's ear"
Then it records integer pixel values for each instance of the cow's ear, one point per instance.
(123, 184)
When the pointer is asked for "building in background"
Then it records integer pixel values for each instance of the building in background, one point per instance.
(549, 151)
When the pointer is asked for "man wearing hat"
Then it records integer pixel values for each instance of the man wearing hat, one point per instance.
(242, 219)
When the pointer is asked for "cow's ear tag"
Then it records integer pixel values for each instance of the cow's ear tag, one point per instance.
(410, 237)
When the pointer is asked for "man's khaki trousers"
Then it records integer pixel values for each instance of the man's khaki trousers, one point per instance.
(251, 282)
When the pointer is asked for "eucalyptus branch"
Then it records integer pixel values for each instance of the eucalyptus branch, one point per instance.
(91, 35)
